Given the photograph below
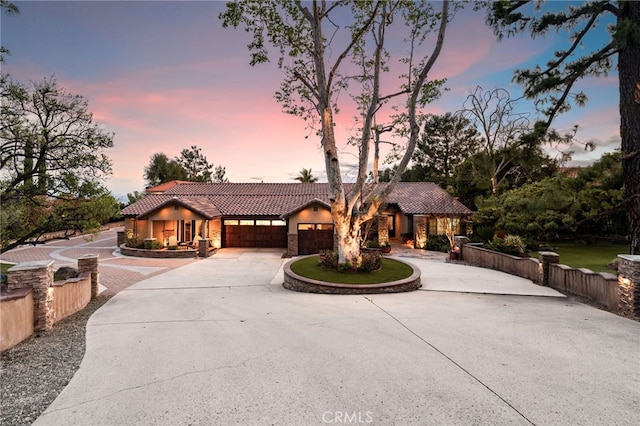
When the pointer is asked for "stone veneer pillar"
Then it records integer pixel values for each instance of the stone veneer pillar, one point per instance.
(89, 263)
(460, 241)
(420, 231)
(39, 276)
(203, 247)
(383, 229)
(292, 244)
(546, 258)
(120, 238)
(629, 284)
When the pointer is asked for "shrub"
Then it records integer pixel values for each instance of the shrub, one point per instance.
(133, 242)
(510, 244)
(153, 245)
(485, 232)
(370, 262)
(344, 267)
(64, 273)
(328, 259)
(438, 243)
(172, 248)
(371, 244)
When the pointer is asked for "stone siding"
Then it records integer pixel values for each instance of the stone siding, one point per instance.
(159, 254)
(292, 244)
(629, 285)
(295, 282)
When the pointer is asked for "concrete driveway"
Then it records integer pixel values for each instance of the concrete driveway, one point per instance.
(220, 341)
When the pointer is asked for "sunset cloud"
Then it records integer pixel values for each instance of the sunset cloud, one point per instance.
(164, 76)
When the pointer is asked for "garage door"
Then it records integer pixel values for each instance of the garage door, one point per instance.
(314, 237)
(255, 233)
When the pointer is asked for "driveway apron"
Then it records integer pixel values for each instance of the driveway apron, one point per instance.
(219, 341)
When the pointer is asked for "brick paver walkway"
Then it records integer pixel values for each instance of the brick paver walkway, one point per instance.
(116, 272)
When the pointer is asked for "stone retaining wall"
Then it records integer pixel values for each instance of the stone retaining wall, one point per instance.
(159, 254)
(34, 302)
(295, 282)
(616, 293)
(522, 267)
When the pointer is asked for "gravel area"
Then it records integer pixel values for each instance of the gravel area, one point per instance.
(34, 372)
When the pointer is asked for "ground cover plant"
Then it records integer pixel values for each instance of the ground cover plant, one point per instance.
(392, 270)
(591, 256)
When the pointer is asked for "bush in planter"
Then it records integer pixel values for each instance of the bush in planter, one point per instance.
(371, 244)
(371, 262)
(510, 244)
(485, 233)
(328, 259)
(344, 267)
(438, 243)
(133, 242)
(153, 245)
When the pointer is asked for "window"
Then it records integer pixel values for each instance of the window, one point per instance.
(278, 223)
(439, 226)
(230, 222)
(246, 222)
(315, 226)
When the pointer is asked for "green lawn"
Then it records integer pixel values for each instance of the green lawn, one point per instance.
(592, 256)
(392, 270)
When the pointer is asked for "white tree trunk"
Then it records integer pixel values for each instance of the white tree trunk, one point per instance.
(348, 241)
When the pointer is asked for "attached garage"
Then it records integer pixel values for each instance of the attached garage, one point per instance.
(313, 237)
(262, 233)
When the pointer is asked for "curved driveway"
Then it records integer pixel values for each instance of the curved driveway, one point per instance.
(219, 341)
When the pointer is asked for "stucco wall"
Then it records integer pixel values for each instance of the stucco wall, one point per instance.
(16, 318)
(170, 213)
(137, 228)
(214, 228)
(71, 296)
(309, 216)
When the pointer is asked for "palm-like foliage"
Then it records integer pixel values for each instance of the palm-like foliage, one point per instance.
(305, 176)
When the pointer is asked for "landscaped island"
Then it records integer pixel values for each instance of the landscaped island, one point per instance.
(306, 275)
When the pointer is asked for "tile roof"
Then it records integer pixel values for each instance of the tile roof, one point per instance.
(276, 199)
(159, 189)
(153, 202)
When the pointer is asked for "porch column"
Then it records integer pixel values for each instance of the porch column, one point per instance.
(383, 229)
(629, 284)
(204, 231)
(420, 231)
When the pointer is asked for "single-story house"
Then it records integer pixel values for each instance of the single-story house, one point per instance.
(295, 216)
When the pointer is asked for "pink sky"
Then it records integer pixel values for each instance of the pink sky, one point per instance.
(165, 76)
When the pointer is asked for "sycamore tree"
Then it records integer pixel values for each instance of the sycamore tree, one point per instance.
(334, 55)
(501, 127)
(52, 164)
(556, 85)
